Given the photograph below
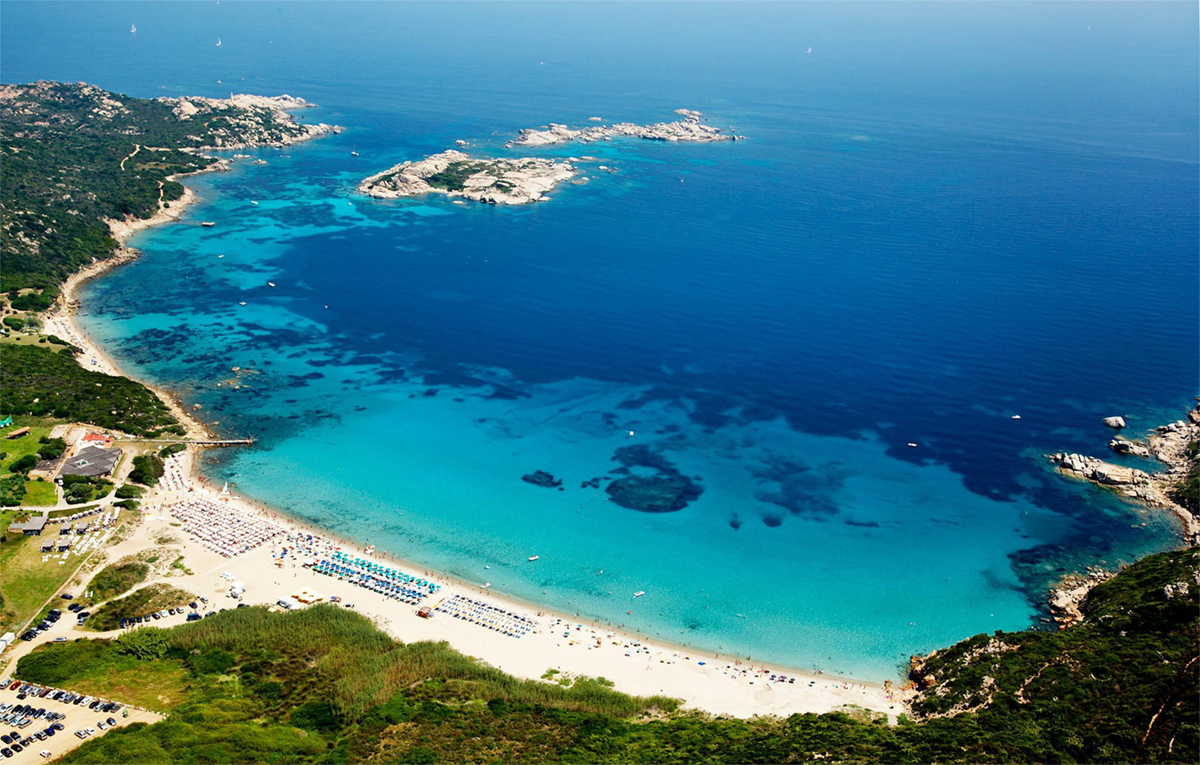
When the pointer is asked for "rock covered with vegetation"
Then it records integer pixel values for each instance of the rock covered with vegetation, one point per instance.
(1122, 685)
(494, 181)
(76, 155)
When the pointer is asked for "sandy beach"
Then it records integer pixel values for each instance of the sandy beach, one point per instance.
(719, 685)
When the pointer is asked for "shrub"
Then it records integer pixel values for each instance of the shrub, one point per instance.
(144, 643)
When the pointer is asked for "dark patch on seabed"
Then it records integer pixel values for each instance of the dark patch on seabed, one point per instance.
(800, 488)
(666, 490)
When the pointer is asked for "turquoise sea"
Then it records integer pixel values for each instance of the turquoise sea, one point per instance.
(945, 215)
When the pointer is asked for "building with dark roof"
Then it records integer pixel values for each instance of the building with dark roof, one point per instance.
(92, 462)
(32, 527)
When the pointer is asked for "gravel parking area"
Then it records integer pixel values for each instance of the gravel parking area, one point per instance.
(42, 711)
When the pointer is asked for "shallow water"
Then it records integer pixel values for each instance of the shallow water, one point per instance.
(944, 216)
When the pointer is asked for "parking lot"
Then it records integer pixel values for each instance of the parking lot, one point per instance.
(73, 717)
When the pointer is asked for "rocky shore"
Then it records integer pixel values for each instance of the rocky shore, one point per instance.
(1168, 445)
(457, 174)
(690, 128)
(249, 120)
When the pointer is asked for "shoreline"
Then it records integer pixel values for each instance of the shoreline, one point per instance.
(699, 689)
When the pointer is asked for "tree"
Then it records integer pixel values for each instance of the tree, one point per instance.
(24, 464)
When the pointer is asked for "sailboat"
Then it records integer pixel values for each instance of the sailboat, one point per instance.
(218, 42)
(353, 151)
(133, 29)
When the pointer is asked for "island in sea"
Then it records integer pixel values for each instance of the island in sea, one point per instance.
(689, 128)
(297, 680)
(494, 181)
(518, 181)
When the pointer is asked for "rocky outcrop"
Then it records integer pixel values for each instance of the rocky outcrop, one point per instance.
(1115, 422)
(244, 120)
(690, 128)
(543, 479)
(456, 174)
(1130, 448)
(1167, 444)
(1066, 600)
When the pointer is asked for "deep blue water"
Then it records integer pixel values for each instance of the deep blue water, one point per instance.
(945, 215)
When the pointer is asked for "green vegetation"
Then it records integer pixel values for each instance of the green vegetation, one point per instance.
(129, 491)
(170, 449)
(38, 381)
(147, 469)
(322, 685)
(51, 448)
(103, 668)
(26, 582)
(118, 579)
(39, 493)
(1187, 493)
(79, 489)
(155, 597)
(75, 155)
(455, 176)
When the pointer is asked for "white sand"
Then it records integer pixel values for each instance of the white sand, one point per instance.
(635, 666)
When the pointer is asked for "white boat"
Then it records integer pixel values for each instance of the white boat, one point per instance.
(133, 29)
(208, 223)
(241, 302)
(270, 284)
(220, 256)
(253, 202)
(218, 42)
(534, 557)
(1016, 417)
(639, 593)
(911, 445)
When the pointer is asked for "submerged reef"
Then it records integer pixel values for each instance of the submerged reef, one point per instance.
(665, 491)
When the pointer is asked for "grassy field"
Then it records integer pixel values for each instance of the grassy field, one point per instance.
(14, 449)
(39, 494)
(25, 581)
(91, 668)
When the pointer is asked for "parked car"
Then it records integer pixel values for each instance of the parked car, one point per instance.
(193, 617)
(202, 600)
(194, 606)
(170, 611)
(111, 721)
(156, 616)
(67, 596)
(6, 752)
